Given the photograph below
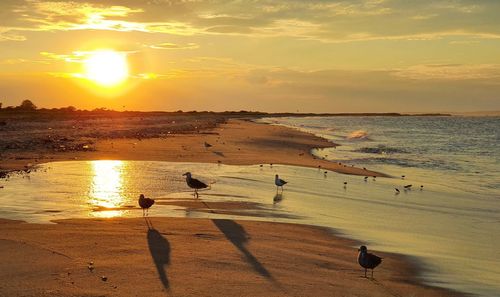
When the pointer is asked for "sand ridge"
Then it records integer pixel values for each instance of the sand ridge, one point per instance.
(237, 142)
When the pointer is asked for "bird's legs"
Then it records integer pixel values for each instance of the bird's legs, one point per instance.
(365, 273)
(372, 273)
(143, 213)
(196, 193)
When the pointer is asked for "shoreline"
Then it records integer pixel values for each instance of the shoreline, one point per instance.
(156, 256)
(236, 142)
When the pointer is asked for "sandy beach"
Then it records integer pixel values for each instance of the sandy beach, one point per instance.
(233, 141)
(192, 257)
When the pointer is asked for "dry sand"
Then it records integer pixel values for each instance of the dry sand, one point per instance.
(190, 257)
(237, 142)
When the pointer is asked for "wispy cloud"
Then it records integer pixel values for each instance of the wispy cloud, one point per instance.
(339, 21)
(452, 72)
(174, 46)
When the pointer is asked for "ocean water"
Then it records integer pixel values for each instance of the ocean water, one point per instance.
(451, 226)
(454, 153)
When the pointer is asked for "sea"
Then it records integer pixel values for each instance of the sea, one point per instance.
(447, 222)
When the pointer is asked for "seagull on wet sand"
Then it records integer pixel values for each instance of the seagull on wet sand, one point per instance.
(193, 183)
(145, 204)
(368, 260)
(397, 190)
(279, 183)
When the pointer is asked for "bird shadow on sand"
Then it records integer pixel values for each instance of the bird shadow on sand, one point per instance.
(278, 198)
(159, 247)
(237, 235)
(220, 154)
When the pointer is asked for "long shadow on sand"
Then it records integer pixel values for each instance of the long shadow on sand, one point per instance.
(237, 235)
(159, 247)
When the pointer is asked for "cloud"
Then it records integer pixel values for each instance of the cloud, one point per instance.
(325, 21)
(174, 46)
(7, 34)
(488, 73)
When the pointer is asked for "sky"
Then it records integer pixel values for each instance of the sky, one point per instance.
(276, 56)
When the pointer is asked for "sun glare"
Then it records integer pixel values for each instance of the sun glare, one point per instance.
(106, 67)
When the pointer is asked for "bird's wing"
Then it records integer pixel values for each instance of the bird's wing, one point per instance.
(198, 184)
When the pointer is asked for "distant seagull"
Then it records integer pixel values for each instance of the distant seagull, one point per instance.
(345, 185)
(325, 173)
(366, 178)
(407, 187)
(145, 204)
(403, 177)
(421, 188)
(207, 145)
(271, 164)
(374, 178)
(364, 168)
(193, 183)
(368, 260)
(279, 183)
(397, 191)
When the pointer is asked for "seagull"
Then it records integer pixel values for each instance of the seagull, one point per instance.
(397, 190)
(193, 183)
(366, 178)
(403, 177)
(421, 187)
(145, 204)
(279, 183)
(407, 187)
(368, 260)
(207, 145)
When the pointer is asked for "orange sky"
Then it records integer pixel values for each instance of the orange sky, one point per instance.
(307, 56)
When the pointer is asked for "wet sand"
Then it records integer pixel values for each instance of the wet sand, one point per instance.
(236, 142)
(191, 257)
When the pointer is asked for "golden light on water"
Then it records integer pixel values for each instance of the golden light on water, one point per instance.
(107, 188)
(106, 68)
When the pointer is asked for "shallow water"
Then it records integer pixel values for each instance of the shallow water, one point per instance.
(454, 234)
(460, 154)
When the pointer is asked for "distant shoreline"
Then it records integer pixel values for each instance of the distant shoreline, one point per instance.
(243, 113)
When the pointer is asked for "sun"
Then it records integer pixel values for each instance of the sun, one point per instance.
(107, 68)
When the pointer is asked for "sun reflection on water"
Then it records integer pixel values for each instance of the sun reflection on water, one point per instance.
(106, 190)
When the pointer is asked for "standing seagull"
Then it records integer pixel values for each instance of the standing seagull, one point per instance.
(279, 183)
(368, 260)
(145, 204)
(195, 184)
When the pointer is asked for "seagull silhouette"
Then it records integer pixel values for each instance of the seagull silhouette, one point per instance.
(279, 183)
(145, 204)
(193, 183)
(368, 260)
